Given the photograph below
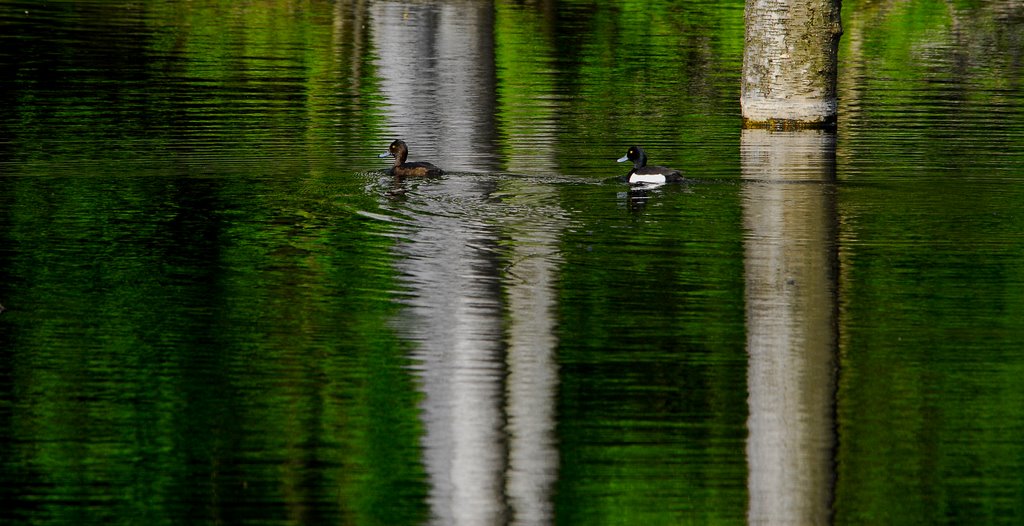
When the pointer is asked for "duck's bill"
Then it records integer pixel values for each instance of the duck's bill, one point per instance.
(385, 154)
(623, 159)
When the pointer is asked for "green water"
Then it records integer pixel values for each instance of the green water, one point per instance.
(218, 308)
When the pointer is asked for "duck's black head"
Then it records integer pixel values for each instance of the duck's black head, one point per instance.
(635, 154)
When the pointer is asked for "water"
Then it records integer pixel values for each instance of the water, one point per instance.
(219, 309)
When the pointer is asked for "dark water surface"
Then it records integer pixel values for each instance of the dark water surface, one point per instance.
(220, 309)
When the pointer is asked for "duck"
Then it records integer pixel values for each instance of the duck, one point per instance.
(641, 173)
(400, 152)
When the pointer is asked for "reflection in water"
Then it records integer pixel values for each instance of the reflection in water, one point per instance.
(526, 110)
(454, 316)
(532, 371)
(437, 69)
(454, 313)
(791, 296)
(486, 366)
(488, 410)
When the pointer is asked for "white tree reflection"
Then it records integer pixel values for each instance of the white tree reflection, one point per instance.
(791, 303)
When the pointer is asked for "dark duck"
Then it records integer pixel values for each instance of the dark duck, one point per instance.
(400, 152)
(643, 174)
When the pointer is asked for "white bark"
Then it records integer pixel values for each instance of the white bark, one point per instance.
(790, 63)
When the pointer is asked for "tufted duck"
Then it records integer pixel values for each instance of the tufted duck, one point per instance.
(400, 151)
(641, 173)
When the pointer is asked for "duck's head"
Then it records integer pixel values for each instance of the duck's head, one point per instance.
(635, 154)
(398, 150)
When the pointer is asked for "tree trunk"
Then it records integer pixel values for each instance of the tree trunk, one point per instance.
(789, 64)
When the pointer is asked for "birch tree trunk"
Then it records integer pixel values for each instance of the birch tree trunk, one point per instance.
(789, 64)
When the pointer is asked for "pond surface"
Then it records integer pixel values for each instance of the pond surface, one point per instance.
(219, 308)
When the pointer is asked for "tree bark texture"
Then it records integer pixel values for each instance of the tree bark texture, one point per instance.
(790, 63)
